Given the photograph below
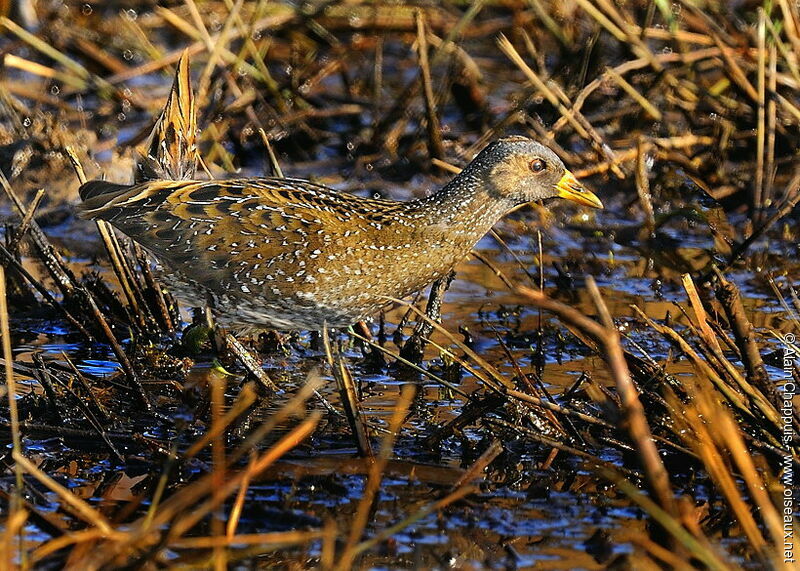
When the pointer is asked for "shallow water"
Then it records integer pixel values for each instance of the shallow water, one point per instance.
(523, 516)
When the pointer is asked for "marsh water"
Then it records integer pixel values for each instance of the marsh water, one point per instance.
(524, 516)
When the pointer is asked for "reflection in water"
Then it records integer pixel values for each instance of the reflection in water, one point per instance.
(555, 515)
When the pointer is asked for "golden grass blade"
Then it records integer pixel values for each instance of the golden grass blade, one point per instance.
(272, 540)
(72, 502)
(372, 486)
(709, 558)
(637, 426)
(648, 107)
(14, 526)
(423, 512)
(220, 45)
(11, 388)
(72, 538)
(188, 519)
(182, 511)
(699, 312)
(246, 397)
(238, 504)
(713, 461)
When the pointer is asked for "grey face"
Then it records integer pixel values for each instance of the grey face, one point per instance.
(521, 170)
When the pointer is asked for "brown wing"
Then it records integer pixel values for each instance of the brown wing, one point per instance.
(238, 235)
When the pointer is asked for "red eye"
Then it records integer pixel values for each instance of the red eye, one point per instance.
(538, 165)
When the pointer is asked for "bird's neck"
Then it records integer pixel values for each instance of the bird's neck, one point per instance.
(465, 205)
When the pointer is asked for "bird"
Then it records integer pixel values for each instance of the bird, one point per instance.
(289, 254)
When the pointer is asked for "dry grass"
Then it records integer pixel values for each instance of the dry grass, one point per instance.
(627, 95)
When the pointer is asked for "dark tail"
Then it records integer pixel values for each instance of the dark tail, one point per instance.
(95, 194)
(95, 188)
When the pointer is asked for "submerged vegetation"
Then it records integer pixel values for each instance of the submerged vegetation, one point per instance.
(606, 389)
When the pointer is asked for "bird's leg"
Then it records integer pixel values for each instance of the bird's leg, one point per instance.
(315, 343)
(272, 341)
(373, 358)
(414, 347)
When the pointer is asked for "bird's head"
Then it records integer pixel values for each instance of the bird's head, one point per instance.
(521, 170)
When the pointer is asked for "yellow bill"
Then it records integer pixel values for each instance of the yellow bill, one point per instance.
(569, 188)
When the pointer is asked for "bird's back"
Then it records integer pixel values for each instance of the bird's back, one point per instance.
(286, 247)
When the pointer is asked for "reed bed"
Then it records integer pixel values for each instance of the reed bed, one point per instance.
(685, 113)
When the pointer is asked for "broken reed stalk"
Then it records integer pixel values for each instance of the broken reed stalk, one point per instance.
(761, 115)
(643, 185)
(50, 258)
(44, 377)
(575, 118)
(250, 363)
(16, 503)
(135, 315)
(792, 200)
(9, 261)
(711, 431)
(607, 337)
(70, 288)
(127, 368)
(435, 145)
(349, 394)
(98, 409)
(700, 312)
(493, 379)
(490, 376)
(26, 221)
(377, 467)
(706, 424)
(744, 335)
(119, 263)
(168, 313)
(554, 444)
(218, 470)
(273, 160)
